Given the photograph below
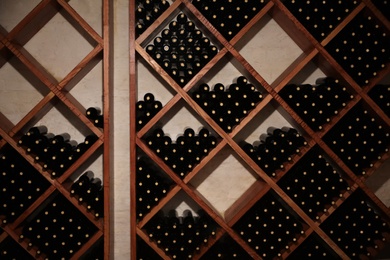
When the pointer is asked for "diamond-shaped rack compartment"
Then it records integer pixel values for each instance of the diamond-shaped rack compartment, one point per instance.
(181, 229)
(304, 182)
(57, 51)
(274, 56)
(271, 141)
(228, 100)
(180, 145)
(181, 49)
(269, 227)
(318, 99)
(224, 180)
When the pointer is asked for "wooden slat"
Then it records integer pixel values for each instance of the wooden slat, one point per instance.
(297, 32)
(133, 137)
(81, 69)
(83, 24)
(108, 148)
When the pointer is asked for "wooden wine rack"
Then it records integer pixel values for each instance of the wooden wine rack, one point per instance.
(313, 50)
(58, 93)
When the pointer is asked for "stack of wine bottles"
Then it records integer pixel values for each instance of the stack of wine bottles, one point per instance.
(269, 227)
(54, 152)
(275, 148)
(313, 248)
(230, 16)
(359, 141)
(228, 106)
(357, 228)
(95, 115)
(89, 191)
(10, 249)
(146, 109)
(186, 152)
(226, 248)
(57, 229)
(313, 184)
(147, 12)
(317, 104)
(151, 186)
(20, 185)
(180, 237)
(362, 48)
(182, 49)
(320, 17)
(380, 94)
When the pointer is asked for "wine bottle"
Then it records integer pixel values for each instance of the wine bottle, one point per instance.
(93, 112)
(37, 130)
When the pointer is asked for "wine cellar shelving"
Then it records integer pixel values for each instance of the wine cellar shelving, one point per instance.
(49, 143)
(302, 194)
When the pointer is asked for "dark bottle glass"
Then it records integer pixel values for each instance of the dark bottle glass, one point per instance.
(37, 130)
(61, 138)
(93, 112)
(92, 193)
(181, 18)
(26, 141)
